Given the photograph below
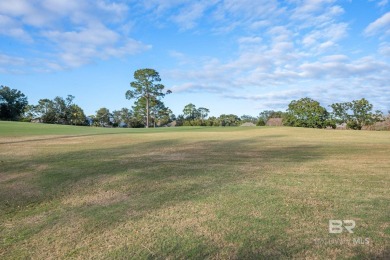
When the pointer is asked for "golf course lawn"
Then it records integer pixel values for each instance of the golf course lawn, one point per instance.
(192, 193)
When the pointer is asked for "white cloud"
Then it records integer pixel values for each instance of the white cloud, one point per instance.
(311, 6)
(381, 24)
(286, 60)
(248, 9)
(384, 49)
(10, 27)
(130, 47)
(189, 15)
(16, 7)
(259, 24)
(338, 68)
(94, 36)
(280, 33)
(11, 61)
(383, 3)
(283, 49)
(17, 65)
(333, 32)
(79, 48)
(76, 32)
(230, 14)
(308, 9)
(272, 96)
(249, 40)
(335, 58)
(197, 88)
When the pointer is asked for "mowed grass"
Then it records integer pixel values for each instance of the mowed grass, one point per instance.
(192, 193)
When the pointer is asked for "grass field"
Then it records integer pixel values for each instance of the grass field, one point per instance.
(192, 193)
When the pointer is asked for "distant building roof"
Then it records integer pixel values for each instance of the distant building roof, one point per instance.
(248, 124)
(274, 122)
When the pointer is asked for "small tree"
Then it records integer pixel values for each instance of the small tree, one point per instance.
(190, 112)
(77, 116)
(146, 86)
(203, 113)
(248, 119)
(63, 109)
(103, 116)
(229, 120)
(160, 113)
(45, 111)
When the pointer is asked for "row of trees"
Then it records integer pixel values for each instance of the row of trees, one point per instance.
(307, 112)
(193, 116)
(149, 110)
(56, 111)
(134, 118)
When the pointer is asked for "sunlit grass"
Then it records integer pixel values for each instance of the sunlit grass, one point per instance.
(218, 193)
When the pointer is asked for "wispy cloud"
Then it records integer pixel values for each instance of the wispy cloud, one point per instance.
(280, 49)
(381, 25)
(11, 61)
(304, 56)
(384, 49)
(74, 32)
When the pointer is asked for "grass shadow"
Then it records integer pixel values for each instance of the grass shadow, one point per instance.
(148, 176)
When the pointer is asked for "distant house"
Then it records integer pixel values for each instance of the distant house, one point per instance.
(172, 124)
(248, 124)
(342, 126)
(379, 126)
(274, 122)
(36, 120)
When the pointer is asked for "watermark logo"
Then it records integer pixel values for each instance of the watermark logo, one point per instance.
(337, 226)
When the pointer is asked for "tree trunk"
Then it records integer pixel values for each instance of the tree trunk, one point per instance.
(147, 112)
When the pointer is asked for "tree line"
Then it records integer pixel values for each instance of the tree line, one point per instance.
(150, 111)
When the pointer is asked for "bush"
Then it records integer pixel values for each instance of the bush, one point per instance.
(260, 122)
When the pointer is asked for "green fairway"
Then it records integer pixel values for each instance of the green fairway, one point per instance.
(192, 193)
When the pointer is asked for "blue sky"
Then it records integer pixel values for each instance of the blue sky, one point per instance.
(231, 56)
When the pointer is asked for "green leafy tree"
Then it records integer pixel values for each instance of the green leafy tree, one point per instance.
(203, 113)
(45, 111)
(161, 114)
(195, 116)
(127, 116)
(116, 118)
(146, 86)
(77, 116)
(248, 119)
(139, 109)
(306, 112)
(93, 120)
(180, 120)
(124, 116)
(12, 103)
(212, 121)
(63, 109)
(29, 113)
(356, 114)
(229, 120)
(58, 111)
(103, 117)
(190, 112)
